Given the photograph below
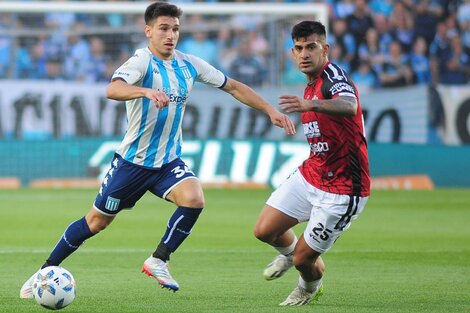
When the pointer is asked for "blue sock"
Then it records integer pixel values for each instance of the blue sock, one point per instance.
(75, 234)
(179, 226)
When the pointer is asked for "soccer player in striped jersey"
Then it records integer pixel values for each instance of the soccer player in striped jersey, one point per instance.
(155, 83)
(331, 187)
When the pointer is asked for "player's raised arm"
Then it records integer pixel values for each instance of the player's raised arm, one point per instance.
(122, 91)
(248, 96)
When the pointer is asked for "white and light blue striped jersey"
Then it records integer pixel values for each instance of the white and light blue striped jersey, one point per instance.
(153, 136)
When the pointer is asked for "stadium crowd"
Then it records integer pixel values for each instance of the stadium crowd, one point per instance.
(382, 43)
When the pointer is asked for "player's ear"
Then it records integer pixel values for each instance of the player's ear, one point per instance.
(326, 48)
(148, 31)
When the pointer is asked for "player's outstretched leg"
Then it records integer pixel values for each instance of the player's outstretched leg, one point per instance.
(178, 229)
(278, 267)
(75, 234)
(158, 269)
(300, 296)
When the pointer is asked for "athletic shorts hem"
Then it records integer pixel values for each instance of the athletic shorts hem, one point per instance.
(176, 184)
(104, 213)
(285, 211)
(315, 248)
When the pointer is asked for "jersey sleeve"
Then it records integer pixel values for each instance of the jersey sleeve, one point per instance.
(134, 69)
(337, 83)
(206, 73)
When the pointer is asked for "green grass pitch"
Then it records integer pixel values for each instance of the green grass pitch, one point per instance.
(408, 252)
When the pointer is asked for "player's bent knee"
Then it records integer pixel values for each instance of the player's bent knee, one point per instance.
(198, 203)
(98, 222)
(194, 202)
(263, 234)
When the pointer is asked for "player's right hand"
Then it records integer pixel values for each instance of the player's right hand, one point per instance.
(159, 98)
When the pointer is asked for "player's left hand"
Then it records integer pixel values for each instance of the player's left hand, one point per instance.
(291, 104)
(283, 121)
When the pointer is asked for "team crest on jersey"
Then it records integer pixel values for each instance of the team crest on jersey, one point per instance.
(311, 129)
(186, 72)
(112, 204)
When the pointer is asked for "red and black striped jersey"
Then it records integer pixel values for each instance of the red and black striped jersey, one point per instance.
(338, 161)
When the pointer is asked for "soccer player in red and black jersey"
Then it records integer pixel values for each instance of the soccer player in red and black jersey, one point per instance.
(330, 189)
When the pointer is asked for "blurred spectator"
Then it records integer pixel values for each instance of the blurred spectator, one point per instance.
(58, 24)
(370, 50)
(341, 37)
(395, 71)
(98, 60)
(199, 43)
(247, 67)
(382, 26)
(463, 18)
(364, 77)
(54, 69)
(438, 51)
(360, 21)
(39, 61)
(226, 47)
(77, 52)
(259, 43)
(336, 55)
(425, 21)
(23, 64)
(420, 62)
(453, 28)
(402, 25)
(456, 69)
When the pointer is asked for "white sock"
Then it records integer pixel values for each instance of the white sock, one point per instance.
(289, 250)
(310, 286)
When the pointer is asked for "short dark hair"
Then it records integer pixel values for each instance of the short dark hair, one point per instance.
(157, 9)
(307, 28)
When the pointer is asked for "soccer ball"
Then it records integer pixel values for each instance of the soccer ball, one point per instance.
(54, 287)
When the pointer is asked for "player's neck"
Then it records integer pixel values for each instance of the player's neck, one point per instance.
(159, 55)
(312, 80)
(313, 77)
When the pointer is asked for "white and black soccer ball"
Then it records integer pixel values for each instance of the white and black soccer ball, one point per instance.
(54, 287)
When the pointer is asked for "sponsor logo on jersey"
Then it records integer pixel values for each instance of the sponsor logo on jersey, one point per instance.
(339, 87)
(122, 74)
(176, 95)
(319, 147)
(311, 129)
(177, 98)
